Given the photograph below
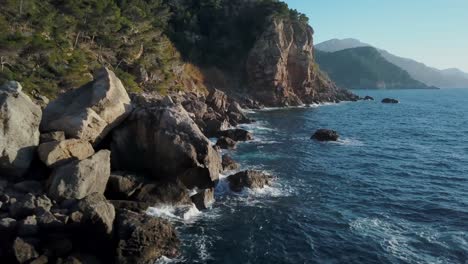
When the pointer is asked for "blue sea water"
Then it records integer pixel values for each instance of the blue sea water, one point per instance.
(394, 189)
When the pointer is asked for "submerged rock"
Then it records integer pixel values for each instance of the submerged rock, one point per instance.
(144, 239)
(163, 141)
(91, 111)
(249, 179)
(78, 179)
(325, 135)
(19, 130)
(390, 101)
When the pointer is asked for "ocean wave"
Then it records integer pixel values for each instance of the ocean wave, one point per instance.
(399, 237)
(184, 214)
(348, 142)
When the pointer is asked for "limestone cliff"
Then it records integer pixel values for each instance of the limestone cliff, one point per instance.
(281, 69)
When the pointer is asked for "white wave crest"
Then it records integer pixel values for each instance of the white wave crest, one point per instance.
(178, 213)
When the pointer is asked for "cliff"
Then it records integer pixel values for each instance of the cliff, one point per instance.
(281, 69)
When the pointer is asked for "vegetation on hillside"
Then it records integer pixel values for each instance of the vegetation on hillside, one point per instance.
(53, 45)
(364, 68)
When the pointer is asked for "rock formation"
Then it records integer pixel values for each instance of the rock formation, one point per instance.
(163, 141)
(248, 179)
(91, 111)
(282, 71)
(19, 130)
(325, 135)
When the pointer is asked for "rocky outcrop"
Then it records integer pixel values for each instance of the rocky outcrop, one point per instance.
(226, 143)
(236, 134)
(143, 239)
(390, 101)
(91, 111)
(78, 179)
(57, 153)
(19, 130)
(368, 98)
(325, 135)
(282, 71)
(98, 213)
(249, 179)
(204, 199)
(229, 163)
(160, 139)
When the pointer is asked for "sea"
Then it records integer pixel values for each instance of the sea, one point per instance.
(393, 189)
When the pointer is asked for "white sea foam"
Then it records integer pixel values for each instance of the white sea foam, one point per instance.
(176, 213)
(348, 142)
(397, 237)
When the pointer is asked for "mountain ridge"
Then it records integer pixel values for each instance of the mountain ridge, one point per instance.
(446, 78)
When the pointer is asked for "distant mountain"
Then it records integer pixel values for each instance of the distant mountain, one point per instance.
(333, 45)
(449, 78)
(364, 68)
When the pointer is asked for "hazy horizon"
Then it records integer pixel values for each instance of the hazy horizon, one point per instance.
(429, 31)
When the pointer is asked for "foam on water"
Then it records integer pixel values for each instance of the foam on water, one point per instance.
(398, 238)
(185, 214)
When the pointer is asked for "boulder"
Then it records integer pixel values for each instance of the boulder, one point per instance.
(52, 136)
(98, 214)
(78, 179)
(218, 100)
(236, 134)
(163, 193)
(163, 141)
(203, 199)
(19, 130)
(24, 251)
(390, 101)
(229, 163)
(368, 98)
(144, 239)
(325, 135)
(57, 153)
(249, 179)
(122, 185)
(226, 143)
(89, 112)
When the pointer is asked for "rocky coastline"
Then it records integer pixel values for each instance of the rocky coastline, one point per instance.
(78, 175)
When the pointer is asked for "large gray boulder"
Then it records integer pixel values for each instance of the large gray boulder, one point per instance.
(57, 153)
(97, 212)
(249, 179)
(162, 140)
(91, 111)
(19, 130)
(78, 179)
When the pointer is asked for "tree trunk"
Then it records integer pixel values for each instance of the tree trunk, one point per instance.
(77, 39)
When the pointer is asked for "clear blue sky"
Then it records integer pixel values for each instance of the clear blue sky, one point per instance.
(434, 32)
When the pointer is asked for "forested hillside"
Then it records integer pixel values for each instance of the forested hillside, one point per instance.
(153, 45)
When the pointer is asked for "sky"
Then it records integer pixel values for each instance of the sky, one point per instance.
(434, 32)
